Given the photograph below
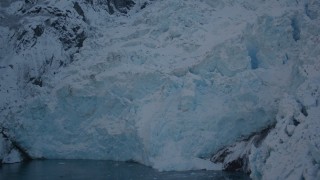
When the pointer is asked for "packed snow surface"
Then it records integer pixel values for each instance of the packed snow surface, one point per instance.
(166, 85)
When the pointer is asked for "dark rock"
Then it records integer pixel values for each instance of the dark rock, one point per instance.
(122, 6)
(79, 39)
(36, 81)
(144, 5)
(38, 31)
(235, 165)
(30, 1)
(304, 111)
(79, 10)
(236, 156)
(295, 122)
(71, 36)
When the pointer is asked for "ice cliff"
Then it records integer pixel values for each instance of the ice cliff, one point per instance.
(164, 83)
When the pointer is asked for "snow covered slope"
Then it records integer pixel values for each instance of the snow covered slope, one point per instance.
(167, 85)
(291, 150)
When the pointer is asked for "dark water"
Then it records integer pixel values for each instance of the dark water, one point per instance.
(89, 169)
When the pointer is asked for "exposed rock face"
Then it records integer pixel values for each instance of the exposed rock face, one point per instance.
(236, 156)
(120, 5)
(54, 33)
(61, 22)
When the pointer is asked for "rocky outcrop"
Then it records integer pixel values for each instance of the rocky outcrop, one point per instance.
(236, 156)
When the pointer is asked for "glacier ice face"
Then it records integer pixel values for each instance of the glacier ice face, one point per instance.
(166, 86)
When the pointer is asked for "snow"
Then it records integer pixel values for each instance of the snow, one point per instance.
(295, 147)
(167, 86)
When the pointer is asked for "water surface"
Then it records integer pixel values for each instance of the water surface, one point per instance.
(90, 169)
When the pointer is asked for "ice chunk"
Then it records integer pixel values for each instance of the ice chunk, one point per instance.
(14, 156)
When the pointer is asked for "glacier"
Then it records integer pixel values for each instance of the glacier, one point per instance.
(168, 84)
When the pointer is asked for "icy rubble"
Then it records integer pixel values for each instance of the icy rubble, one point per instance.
(167, 85)
(9, 153)
(291, 150)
